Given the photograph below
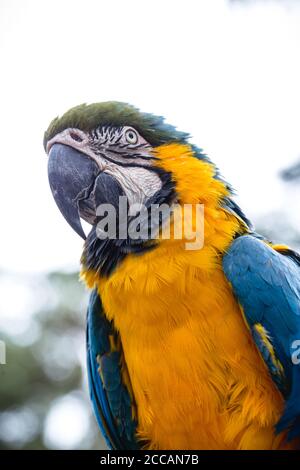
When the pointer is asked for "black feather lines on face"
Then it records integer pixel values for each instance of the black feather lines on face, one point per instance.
(104, 255)
(108, 143)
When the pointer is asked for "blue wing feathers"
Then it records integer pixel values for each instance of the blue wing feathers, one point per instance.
(267, 285)
(292, 410)
(110, 398)
(264, 345)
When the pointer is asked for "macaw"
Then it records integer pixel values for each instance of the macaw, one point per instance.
(186, 348)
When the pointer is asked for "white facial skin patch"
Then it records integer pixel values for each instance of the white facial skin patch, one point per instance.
(139, 184)
(112, 149)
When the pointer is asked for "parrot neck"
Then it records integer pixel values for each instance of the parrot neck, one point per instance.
(103, 255)
(197, 183)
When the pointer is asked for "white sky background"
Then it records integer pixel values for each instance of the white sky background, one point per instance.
(228, 74)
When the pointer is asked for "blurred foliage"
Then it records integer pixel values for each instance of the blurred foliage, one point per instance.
(292, 173)
(46, 366)
(278, 228)
(282, 226)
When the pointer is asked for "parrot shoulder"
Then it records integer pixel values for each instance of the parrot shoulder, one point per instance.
(266, 283)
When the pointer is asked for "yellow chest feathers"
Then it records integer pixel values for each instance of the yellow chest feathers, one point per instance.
(197, 378)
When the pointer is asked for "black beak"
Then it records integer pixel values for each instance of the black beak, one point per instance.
(72, 176)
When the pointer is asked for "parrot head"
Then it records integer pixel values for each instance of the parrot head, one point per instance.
(101, 152)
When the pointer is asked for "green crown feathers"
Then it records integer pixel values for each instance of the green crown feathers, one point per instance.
(90, 116)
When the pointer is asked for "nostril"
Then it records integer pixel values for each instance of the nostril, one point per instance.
(76, 137)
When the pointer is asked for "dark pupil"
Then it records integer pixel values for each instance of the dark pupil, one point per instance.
(131, 135)
(76, 137)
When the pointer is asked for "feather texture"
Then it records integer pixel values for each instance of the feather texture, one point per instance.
(110, 398)
(267, 284)
(198, 379)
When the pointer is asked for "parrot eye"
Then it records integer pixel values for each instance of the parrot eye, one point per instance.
(131, 136)
(76, 137)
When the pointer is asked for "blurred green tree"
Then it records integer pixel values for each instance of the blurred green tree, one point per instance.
(47, 368)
